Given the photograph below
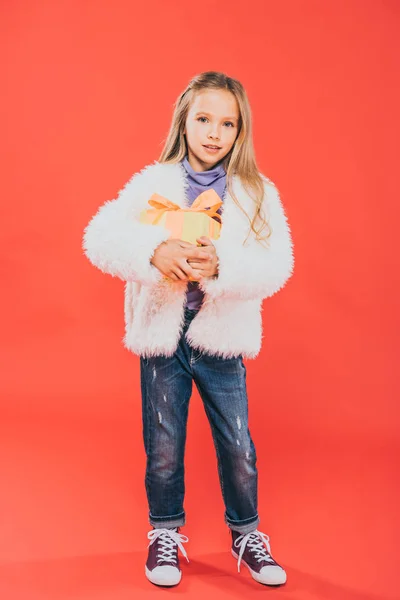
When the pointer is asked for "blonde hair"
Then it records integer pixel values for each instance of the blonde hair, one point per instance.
(240, 160)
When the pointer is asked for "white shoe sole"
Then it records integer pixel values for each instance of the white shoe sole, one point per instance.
(165, 581)
(259, 577)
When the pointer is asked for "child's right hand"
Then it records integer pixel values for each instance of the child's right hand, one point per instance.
(171, 259)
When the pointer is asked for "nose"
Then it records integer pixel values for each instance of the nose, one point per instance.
(214, 133)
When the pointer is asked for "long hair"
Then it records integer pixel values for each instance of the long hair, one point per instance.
(240, 160)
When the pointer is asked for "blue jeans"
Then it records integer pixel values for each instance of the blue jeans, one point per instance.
(166, 385)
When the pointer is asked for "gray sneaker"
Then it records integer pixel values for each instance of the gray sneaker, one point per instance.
(254, 551)
(162, 565)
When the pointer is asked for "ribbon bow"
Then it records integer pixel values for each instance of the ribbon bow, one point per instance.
(207, 202)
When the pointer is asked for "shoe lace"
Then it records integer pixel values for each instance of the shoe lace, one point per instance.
(168, 540)
(258, 543)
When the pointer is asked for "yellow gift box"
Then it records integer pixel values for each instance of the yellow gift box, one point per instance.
(186, 223)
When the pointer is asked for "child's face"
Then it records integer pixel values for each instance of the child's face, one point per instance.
(212, 119)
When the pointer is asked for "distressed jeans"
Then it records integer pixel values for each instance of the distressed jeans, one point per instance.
(166, 386)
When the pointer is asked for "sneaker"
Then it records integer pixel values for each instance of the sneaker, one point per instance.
(254, 551)
(162, 566)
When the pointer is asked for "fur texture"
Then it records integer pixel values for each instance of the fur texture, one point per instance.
(229, 322)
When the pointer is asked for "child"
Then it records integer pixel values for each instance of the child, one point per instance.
(198, 330)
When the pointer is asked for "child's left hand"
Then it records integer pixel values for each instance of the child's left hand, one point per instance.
(207, 267)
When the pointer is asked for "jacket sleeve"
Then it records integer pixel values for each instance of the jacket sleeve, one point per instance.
(254, 271)
(117, 243)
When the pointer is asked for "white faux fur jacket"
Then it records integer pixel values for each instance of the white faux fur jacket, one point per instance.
(229, 322)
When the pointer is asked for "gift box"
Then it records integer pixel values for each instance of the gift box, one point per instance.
(186, 223)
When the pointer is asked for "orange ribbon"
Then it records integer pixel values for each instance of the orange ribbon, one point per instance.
(207, 202)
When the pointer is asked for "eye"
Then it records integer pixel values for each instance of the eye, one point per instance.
(230, 123)
(201, 118)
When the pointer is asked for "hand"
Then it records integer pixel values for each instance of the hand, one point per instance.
(208, 267)
(172, 259)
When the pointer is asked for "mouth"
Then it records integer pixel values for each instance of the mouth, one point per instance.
(212, 147)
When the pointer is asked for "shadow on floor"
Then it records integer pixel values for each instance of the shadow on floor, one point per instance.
(121, 575)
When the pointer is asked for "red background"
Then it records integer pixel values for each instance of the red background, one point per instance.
(87, 91)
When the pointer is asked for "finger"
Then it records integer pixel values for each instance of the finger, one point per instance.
(199, 270)
(210, 249)
(179, 274)
(205, 268)
(204, 240)
(198, 275)
(172, 277)
(198, 254)
(187, 269)
(195, 264)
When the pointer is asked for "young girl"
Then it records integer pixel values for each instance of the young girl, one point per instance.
(198, 330)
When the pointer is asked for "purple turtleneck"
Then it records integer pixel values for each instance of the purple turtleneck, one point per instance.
(198, 182)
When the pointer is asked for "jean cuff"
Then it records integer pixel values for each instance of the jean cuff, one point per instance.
(170, 521)
(245, 526)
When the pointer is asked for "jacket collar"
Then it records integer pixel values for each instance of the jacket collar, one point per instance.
(169, 180)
